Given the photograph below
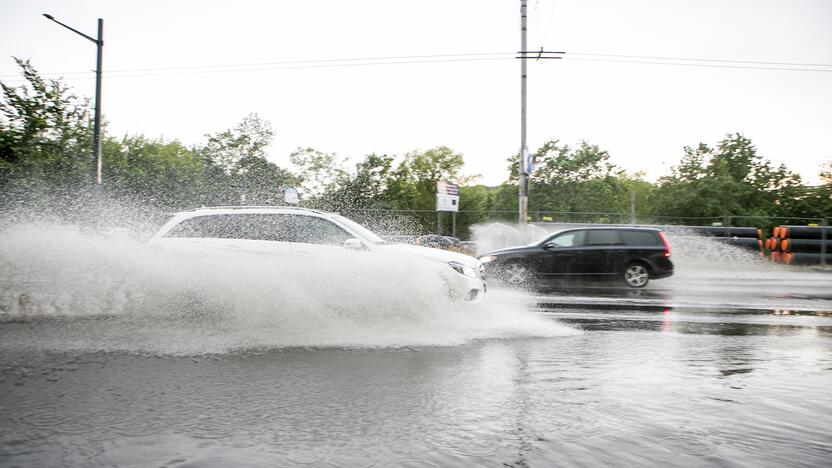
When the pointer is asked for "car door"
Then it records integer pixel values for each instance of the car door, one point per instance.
(603, 252)
(563, 254)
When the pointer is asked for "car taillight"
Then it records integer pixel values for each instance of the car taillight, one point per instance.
(666, 244)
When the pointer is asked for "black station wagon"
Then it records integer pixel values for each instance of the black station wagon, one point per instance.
(631, 255)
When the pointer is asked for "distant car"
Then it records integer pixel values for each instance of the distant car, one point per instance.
(309, 233)
(446, 243)
(436, 242)
(632, 256)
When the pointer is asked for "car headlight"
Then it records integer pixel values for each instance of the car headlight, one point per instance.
(488, 258)
(463, 270)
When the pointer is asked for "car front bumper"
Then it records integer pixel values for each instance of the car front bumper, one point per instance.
(465, 289)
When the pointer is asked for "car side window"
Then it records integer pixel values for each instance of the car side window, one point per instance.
(267, 227)
(270, 227)
(641, 238)
(198, 227)
(568, 239)
(604, 237)
(314, 230)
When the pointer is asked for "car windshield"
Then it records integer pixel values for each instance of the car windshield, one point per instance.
(365, 233)
(542, 240)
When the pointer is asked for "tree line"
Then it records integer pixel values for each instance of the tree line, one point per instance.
(45, 168)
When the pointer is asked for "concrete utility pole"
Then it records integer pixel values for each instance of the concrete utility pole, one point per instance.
(524, 180)
(96, 137)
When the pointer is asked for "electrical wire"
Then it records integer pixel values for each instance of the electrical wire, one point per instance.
(686, 59)
(705, 65)
(445, 58)
(337, 62)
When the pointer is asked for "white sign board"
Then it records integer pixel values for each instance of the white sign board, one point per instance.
(291, 196)
(447, 203)
(447, 196)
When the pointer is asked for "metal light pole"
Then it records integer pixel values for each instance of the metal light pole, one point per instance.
(96, 137)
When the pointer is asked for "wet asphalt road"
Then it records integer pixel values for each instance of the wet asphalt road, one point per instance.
(647, 378)
(724, 364)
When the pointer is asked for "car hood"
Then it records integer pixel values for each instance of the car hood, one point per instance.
(512, 250)
(431, 254)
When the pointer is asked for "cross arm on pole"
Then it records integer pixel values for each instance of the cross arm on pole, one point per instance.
(540, 54)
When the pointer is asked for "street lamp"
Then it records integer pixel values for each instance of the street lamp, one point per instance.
(96, 136)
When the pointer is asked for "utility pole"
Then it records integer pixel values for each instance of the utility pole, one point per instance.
(525, 158)
(524, 180)
(96, 137)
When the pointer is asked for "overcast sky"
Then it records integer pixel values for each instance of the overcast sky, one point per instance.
(181, 69)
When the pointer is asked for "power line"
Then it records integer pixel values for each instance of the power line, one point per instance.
(298, 67)
(686, 59)
(338, 62)
(445, 58)
(705, 65)
(30, 54)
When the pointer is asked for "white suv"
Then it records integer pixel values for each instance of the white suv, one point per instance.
(304, 232)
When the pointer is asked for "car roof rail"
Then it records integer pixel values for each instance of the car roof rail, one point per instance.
(250, 207)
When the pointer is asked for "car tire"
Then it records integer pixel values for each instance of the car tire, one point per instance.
(637, 275)
(516, 274)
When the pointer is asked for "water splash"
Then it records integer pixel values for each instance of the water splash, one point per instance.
(111, 292)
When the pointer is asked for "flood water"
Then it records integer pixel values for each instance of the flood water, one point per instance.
(717, 366)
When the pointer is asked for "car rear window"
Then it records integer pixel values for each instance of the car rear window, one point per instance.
(641, 238)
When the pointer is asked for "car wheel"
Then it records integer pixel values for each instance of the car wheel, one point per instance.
(636, 275)
(516, 274)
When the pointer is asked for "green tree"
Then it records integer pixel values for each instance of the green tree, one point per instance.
(575, 180)
(367, 188)
(163, 174)
(318, 172)
(237, 170)
(414, 181)
(260, 181)
(728, 180)
(45, 139)
(249, 138)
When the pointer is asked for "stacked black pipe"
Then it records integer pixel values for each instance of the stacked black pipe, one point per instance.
(805, 245)
(746, 237)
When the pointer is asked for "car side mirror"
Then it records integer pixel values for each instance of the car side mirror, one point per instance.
(549, 247)
(353, 244)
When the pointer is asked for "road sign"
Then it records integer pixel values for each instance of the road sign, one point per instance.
(447, 196)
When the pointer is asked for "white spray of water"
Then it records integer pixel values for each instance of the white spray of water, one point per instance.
(94, 292)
